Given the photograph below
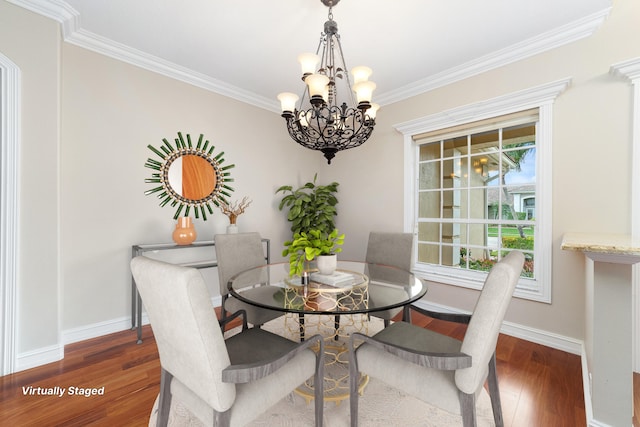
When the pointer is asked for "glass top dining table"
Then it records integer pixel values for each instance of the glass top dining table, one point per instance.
(355, 287)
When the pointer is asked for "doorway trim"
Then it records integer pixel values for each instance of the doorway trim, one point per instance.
(9, 200)
(631, 70)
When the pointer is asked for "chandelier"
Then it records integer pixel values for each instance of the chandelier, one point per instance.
(328, 123)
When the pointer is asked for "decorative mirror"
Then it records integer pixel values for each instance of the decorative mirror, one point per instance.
(190, 178)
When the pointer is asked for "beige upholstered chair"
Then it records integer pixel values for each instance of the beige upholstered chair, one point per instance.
(222, 383)
(437, 369)
(236, 253)
(396, 250)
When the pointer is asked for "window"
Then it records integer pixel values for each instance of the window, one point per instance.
(477, 185)
(470, 198)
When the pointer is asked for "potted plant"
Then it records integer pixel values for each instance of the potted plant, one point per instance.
(314, 244)
(311, 207)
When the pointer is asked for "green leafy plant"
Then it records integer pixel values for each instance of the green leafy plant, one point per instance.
(305, 246)
(311, 207)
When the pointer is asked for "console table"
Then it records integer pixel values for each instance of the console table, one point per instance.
(137, 250)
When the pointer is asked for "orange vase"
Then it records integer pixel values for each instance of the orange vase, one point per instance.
(185, 233)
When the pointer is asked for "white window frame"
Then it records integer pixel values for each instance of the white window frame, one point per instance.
(539, 97)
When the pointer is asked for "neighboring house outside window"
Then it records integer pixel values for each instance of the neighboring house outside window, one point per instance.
(478, 185)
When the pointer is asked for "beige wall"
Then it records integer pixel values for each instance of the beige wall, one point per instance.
(110, 111)
(591, 160)
(32, 43)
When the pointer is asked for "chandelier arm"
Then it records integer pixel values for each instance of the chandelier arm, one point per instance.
(346, 72)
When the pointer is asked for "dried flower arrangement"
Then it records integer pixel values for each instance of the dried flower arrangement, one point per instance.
(234, 209)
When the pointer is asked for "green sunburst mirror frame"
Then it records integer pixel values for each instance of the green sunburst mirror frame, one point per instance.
(175, 197)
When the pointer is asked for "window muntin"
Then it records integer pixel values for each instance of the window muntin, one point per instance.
(476, 198)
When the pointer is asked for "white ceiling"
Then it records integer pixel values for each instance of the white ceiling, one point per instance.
(247, 49)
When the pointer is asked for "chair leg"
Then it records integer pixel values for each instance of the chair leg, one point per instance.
(222, 419)
(301, 323)
(468, 409)
(494, 392)
(164, 401)
(223, 311)
(319, 385)
(406, 314)
(353, 385)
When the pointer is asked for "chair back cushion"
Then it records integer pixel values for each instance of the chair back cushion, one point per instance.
(394, 249)
(236, 253)
(482, 333)
(189, 340)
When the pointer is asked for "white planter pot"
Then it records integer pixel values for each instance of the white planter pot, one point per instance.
(327, 263)
(232, 229)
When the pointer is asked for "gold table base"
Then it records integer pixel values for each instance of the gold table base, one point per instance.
(336, 374)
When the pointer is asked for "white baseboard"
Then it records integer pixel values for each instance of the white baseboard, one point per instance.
(109, 327)
(99, 329)
(39, 357)
(538, 336)
(50, 354)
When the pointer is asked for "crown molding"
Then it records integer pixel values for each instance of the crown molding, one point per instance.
(629, 69)
(541, 43)
(57, 10)
(69, 18)
(504, 104)
(152, 63)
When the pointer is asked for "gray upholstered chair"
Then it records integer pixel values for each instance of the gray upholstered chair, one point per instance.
(222, 383)
(236, 253)
(437, 369)
(396, 250)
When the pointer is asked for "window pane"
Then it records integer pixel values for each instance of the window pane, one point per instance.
(485, 142)
(451, 204)
(520, 166)
(429, 232)
(517, 201)
(478, 203)
(479, 170)
(492, 236)
(430, 151)
(451, 254)
(429, 176)
(478, 235)
(452, 173)
(429, 204)
(428, 253)
(455, 146)
(519, 136)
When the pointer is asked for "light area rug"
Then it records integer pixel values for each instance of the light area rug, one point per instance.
(380, 404)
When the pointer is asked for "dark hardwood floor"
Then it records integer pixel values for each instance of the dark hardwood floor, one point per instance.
(539, 386)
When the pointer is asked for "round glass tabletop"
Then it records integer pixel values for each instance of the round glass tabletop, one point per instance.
(355, 287)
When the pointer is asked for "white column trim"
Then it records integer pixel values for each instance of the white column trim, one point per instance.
(631, 70)
(9, 200)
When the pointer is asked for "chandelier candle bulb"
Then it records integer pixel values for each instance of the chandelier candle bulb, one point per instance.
(317, 84)
(288, 102)
(308, 63)
(361, 74)
(371, 112)
(364, 93)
